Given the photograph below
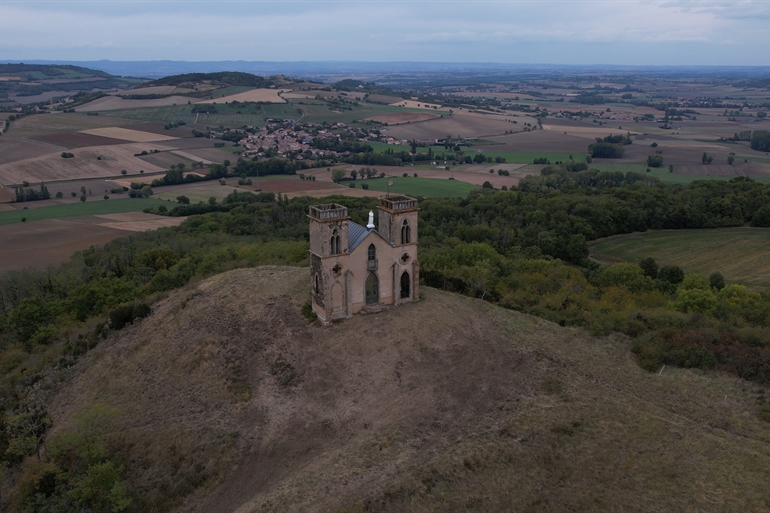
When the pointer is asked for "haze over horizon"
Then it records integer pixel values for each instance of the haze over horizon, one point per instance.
(562, 32)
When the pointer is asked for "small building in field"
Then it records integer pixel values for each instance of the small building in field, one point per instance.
(355, 267)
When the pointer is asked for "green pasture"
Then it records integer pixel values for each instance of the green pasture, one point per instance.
(412, 186)
(522, 157)
(168, 114)
(88, 208)
(740, 254)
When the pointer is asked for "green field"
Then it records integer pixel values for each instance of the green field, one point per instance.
(740, 254)
(228, 115)
(520, 157)
(412, 186)
(89, 208)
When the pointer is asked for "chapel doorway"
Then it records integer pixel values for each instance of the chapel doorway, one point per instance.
(405, 282)
(372, 289)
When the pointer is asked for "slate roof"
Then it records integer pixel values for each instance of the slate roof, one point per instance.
(356, 235)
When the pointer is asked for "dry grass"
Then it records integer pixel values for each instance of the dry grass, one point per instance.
(460, 124)
(255, 95)
(412, 104)
(449, 404)
(127, 134)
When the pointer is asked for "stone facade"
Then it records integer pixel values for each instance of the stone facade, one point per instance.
(354, 267)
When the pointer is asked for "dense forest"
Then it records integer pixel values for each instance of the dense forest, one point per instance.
(524, 249)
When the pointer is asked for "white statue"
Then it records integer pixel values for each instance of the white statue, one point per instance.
(371, 220)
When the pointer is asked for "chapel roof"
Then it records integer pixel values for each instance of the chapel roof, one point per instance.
(356, 235)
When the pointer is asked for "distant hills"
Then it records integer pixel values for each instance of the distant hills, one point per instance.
(34, 80)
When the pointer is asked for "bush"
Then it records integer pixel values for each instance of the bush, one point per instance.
(605, 150)
(654, 161)
(125, 314)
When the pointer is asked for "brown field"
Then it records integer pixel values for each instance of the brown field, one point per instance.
(294, 185)
(53, 241)
(398, 118)
(191, 143)
(589, 131)
(459, 124)
(6, 194)
(381, 98)
(448, 404)
(197, 155)
(538, 140)
(18, 148)
(71, 140)
(180, 132)
(255, 95)
(475, 174)
(118, 103)
(411, 104)
(84, 165)
(127, 134)
(166, 159)
(31, 126)
(148, 90)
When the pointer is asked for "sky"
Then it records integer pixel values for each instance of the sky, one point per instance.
(650, 32)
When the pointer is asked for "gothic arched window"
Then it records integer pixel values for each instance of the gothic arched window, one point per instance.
(405, 232)
(335, 243)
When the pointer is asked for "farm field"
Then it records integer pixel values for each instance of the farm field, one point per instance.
(428, 187)
(17, 148)
(88, 162)
(127, 134)
(252, 95)
(397, 118)
(740, 254)
(88, 208)
(53, 241)
(457, 125)
(108, 103)
(41, 124)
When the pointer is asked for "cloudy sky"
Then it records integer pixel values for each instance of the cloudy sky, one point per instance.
(510, 31)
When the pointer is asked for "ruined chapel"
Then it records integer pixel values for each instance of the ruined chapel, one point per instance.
(354, 267)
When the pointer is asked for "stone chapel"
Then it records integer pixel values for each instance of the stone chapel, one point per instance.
(354, 267)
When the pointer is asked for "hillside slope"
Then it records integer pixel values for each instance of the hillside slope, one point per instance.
(231, 399)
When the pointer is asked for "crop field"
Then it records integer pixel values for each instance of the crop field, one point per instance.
(17, 148)
(127, 134)
(456, 125)
(161, 114)
(249, 95)
(108, 103)
(90, 162)
(88, 208)
(71, 140)
(420, 186)
(740, 254)
(397, 118)
(31, 126)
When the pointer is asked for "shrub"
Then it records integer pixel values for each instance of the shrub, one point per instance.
(124, 314)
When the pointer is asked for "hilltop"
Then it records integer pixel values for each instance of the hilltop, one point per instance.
(231, 401)
(29, 83)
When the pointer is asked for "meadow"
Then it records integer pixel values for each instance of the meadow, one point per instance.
(416, 186)
(740, 254)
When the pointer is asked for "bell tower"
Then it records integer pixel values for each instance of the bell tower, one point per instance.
(398, 219)
(329, 251)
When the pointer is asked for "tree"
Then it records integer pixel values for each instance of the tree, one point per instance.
(649, 267)
(146, 191)
(654, 160)
(337, 175)
(124, 172)
(184, 200)
(671, 274)
(353, 174)
(730, 160)
(717, 281)
(59, 195)
(83, 199)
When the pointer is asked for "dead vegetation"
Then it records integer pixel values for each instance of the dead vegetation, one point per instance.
(231, 401)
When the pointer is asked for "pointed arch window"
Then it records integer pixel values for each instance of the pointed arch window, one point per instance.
(406, 234)
(335, 243)
(371, 257)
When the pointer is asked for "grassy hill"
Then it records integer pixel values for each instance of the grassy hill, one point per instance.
(36, 79)
(230, 401)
